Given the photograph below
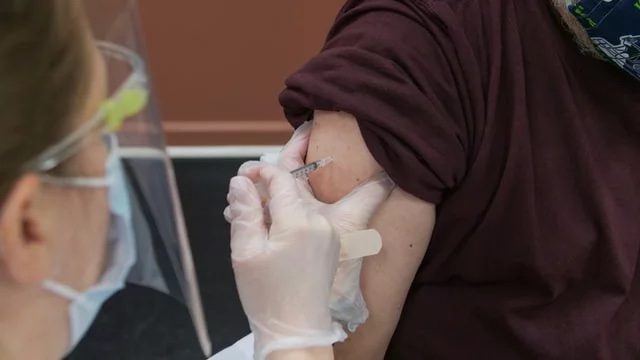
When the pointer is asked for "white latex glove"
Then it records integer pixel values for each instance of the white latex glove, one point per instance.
(284, 272)
(346, 302)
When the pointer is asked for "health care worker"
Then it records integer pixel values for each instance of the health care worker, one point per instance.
(88, 204)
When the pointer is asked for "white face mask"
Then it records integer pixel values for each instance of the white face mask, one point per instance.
(121, 249)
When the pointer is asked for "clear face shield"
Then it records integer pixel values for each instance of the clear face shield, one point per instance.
(163, 259)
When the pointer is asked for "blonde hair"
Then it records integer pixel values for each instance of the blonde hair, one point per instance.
(44, 76)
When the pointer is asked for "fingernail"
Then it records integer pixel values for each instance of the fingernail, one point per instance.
(248, 165)
(237, 184)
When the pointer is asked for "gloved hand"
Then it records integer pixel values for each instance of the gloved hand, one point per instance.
(346, 302)
(284, 272)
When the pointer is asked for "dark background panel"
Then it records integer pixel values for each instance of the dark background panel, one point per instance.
(203, 185)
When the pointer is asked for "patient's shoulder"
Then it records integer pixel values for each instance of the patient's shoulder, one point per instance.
(337, 134)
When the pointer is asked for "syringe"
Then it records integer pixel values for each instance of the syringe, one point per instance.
(304, 171)
(301, 172)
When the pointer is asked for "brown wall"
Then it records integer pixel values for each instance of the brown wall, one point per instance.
(218, 65)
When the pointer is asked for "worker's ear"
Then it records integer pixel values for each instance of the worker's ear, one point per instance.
(24, 254)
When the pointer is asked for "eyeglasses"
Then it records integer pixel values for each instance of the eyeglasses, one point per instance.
(128, 100)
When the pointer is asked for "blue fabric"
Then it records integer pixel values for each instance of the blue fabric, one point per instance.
(614, 27)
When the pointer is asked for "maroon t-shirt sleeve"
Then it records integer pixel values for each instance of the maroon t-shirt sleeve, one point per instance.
(390, 64)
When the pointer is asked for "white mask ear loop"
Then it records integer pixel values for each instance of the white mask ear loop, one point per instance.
(64, 291)
(86, 182)
(61, 290)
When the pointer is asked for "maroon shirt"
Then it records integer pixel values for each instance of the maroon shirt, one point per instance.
(531, 152)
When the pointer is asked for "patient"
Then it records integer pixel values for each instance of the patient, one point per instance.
(513, 232)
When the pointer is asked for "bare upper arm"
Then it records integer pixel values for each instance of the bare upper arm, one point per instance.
(404, 221)
(337, 134)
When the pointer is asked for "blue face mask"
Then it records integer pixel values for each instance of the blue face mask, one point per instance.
(614, 27)
(121, 249)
